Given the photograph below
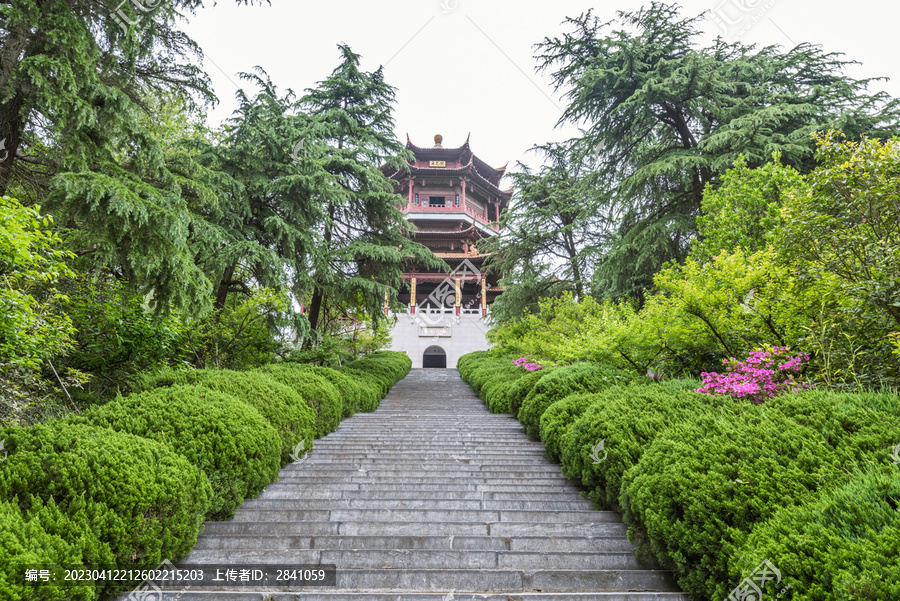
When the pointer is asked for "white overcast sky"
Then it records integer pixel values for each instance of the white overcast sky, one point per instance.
(463, 66)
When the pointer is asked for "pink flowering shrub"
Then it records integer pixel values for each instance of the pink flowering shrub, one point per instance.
(523, 362)
(765, 374)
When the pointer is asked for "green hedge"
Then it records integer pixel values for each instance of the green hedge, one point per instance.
(843, 546)
(230, 441)
(558, 419)
(522, 387)
(46, 536)
(627, 419)
(143, 501)
(319, 394)
(711, 486)
(284, 409)
(701, 487)
(355, 394)
(384, 368)
(571, 379)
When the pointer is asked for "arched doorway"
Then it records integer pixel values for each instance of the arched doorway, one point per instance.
(434, 356)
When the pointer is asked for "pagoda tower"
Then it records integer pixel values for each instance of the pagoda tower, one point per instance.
(453, 199)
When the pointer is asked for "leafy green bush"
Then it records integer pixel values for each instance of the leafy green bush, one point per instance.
(558, 419)
(384, 367)
(701, 487)
(495, 393)
(318, 393)
(141, 498)
(580, 377)
(627, 419)
(226, 438)
(43, 537)
(288, 413)
(841, 547)
(467, 362)
(522, 387)
(354, 396)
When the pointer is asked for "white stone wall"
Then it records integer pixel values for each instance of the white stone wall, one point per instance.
(456, 336)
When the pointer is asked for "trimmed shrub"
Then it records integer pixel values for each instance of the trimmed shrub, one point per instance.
(139, 497)
(700, 488)
(522, 387)
(841, 547)
(292, 418)
(496, 393)
(386, 368)
(468, 362)
(580, 377)
(230, 441)
(489, 371)
(558, 419)
(318, 393)
(627, 419)
(43, 537)
(354, 397)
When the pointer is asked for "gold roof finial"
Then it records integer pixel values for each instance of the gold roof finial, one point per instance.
(437, 141)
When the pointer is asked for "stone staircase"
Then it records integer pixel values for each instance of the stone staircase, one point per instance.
(431, 497)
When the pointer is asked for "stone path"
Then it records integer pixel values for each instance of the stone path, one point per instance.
(430, 497)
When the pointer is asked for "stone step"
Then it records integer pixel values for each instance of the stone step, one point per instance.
(575, 544)
(487, 580)
(391, 492)
(510, 529)
(568, 488)
(429, 515)
(420, 504)
(430, 559)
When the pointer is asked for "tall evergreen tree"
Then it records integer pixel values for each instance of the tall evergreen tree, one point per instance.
(664, 117)
(554, 224)
(74, 77)
(363, 246)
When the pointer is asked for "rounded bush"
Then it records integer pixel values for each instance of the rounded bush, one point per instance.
(702, 486)
(522, 387)
(42, 537)
(319, 394)
(627, 419)
(141, 498)
(496, 394)
(227, 439)
(468, 361)
(558, 419)
(843, 546)
(354, 397)
(284, 409)
(580, 377)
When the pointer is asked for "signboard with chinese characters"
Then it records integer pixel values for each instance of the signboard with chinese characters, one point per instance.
(437, 163)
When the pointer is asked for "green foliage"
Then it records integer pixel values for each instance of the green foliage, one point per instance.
(381, 368)
(559, 417)
(46, 536)
(840, 547)
(846, 225)
(664, 117)
(745, 209)
(30, 263)
(141, 498)
(364, 245)
(571, 379)
(627, 420)
(118, 339)
(355, 394)
(552, 220)
(701, 487)
(282, 407)
(522, 387)
(227, 439)
(321, 396)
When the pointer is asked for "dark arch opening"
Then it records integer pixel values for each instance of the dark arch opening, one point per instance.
(434, 356)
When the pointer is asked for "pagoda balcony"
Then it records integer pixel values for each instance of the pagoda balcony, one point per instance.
(480, 217)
